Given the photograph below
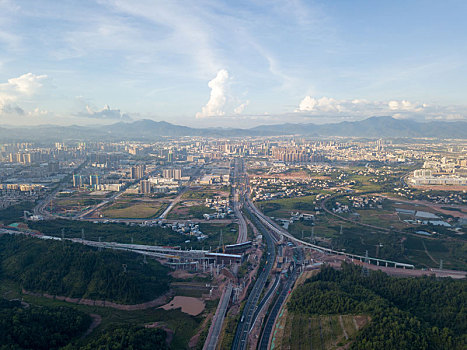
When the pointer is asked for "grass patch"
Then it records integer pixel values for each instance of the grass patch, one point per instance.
(132, 210)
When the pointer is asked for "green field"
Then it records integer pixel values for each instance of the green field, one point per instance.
(229, 234)
(201, 193)
(187, 212)
(134, 210)
(283, 207)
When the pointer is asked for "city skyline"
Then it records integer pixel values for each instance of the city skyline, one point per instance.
(230, 63)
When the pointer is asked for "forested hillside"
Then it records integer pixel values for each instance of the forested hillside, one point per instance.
(32, 327)
(74, 270)
(406, 313)
(133, 337)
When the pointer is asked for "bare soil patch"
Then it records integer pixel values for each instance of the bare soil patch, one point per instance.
(189, 305)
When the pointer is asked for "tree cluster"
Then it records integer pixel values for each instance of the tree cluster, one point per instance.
(129, 338)
(33, 327)
(74, 270)
(407, 313)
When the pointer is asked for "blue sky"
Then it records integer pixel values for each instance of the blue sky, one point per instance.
(231, 63)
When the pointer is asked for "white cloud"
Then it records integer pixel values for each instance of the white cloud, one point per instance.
(405, 106)
(16, 89)
(360, 108)
(241, 108)
(323, 104)
(25, 85)
(104, 113)
(216, 103)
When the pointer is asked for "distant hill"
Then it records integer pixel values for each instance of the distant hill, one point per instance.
(373, 127)
(146, 129)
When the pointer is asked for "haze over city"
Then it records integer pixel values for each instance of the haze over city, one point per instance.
(232, 63)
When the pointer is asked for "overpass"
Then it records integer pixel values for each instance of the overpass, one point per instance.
(281, 232)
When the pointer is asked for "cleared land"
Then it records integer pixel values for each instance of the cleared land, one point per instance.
(316, 332)
(134, 210)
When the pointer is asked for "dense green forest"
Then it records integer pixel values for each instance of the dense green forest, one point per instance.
(110, 232)
(122, 233)
(32, 327)
(128, 338)
(407, 313)
(15, 212)
(74, 270)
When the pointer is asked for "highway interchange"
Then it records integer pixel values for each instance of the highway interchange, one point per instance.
(272, 234)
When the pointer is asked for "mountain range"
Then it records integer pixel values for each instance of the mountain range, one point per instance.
(374, 127)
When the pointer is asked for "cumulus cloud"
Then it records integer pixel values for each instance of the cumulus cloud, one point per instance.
(323, 104)
(216, 103)
(239, 109)
(360, 108)
(16, 89)
(24, 86)
(105, 113)
(405, 105)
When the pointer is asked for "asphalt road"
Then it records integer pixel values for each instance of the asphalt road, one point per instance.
(284, 291)
(244, 326)
(265, 299)
(238, 176)
(216, 325)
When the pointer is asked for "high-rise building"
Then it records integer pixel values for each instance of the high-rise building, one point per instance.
(144, 187)
(27, 158)
(137, 171)
(172, 173)
(77, 181)
(94, 180)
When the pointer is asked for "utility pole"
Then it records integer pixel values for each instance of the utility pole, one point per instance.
(221, 242)
(365, 272)
(63, 238)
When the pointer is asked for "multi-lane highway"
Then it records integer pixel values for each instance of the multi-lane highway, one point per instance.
(238, 189)
(265, 299)
(216, 325)
(283, 293)
(244, 326)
